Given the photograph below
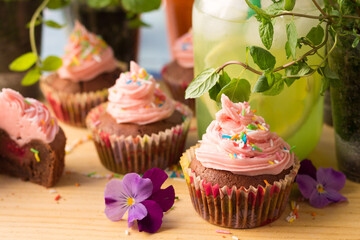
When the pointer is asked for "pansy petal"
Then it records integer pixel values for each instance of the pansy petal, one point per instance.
(157, 176)
(115, 211)
(136, 212)
(137, 187)
(152, 222)
(307, 168)
(307, 185)
(334, 196)
(114, 189)
(164, 197)
(330, 178)
(318, 200)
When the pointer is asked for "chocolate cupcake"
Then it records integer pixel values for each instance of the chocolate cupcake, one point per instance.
(139, 127)
(240, 175)
(32, 145)
(179, 73)
(89, 69)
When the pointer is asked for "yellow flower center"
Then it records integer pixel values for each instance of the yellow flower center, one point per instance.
(320, 188)
(130, 201)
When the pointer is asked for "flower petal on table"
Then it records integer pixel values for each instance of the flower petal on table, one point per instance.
(318, 200)
(164, 197)
(137, 187)
(330, 178)
(157, 176)
(152, 222)
(307, 185)
(136, 212)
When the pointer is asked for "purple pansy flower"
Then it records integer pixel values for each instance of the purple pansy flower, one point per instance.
(142, 197)
(320, 187)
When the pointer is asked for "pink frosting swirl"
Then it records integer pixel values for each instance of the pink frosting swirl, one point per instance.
(183, 50)
(86, 56)
(135, 98)
(241, 142)
(25, 119)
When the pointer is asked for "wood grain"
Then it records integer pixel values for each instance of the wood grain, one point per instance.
(29, 211)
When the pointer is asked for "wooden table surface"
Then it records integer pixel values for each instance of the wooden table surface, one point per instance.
(29, 211)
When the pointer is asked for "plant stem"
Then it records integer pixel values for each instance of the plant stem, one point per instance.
(299, 15)
(239, 63)
(32, 30)
(322, 11)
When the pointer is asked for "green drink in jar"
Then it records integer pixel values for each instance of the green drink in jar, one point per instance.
(222, 30)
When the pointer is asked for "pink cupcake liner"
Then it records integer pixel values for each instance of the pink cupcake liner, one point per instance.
(124, 154)
(72, 108)
(237, 208)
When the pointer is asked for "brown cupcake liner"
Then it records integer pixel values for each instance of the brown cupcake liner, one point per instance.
(69, 107)
(237, 208)
(124, 154)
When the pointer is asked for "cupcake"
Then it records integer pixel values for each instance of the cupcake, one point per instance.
(32, 145)
(179, 73)
(139, 127)
(89, 68)
(240, 175)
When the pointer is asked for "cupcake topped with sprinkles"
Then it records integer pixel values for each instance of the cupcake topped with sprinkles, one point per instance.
(240, 142)
(136, 98)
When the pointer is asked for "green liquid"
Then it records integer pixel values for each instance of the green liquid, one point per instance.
(295, 114)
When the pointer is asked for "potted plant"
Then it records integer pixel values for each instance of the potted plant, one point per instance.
(98, 15)
(338, 29)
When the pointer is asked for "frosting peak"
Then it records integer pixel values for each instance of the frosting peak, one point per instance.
(25, 119)
(135, 98)
(183, 50)
(86, 56)
(240, 142)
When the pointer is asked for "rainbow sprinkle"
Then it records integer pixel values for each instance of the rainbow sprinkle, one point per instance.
(128, 81)
(254, 111)
(243, 112)
(266, 183)
(226, 136)
(223, 231)
(255, 147)
(292, 148)
(271, 162)
(261, 127)
(27, 102)
(36, 154)
(231, 156)
(251, 127)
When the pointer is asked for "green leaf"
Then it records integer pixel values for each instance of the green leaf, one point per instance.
(139, 6)
(37, 22)
(275, 8)
(290, 81)
(289, 5)
(55, 4)
(99, 3)
(355, 43)
(23, 63)
(292, 40)
(316, 35)
(54, 24)
(31, 77)
(238, 90)
(202, 83)
(51, 63)
(332, 76)
(214, 91)
(136, 22)
(325, 84)
(224, 79)
(266, 30)
(277, 87)
(298, 69)
(261, 84)
(257, 10)
(263, 58)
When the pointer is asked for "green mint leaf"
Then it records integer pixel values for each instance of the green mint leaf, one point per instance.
(291, 40)
(139, 6)
(251, 12)
(55, 4)
(263, 58)
(24, 62)
(257, 10)
(136, 22)
(316, 35)
(224, 79)
(277, 87)
(261, 84)
(238, 90)
(99, 3)
(31, 77)
(290, 81)
(214, 91)
(325, 84)
(332, 76)
(266, 30)
(298, 69)
(54, 24)
(202, 83)
(275, 8)
(289, 5)
(51, 63)
(355, 43)
(37, 22)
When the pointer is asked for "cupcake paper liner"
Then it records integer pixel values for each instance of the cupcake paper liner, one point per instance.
(72, 108)
(237, 208)
(124, 154)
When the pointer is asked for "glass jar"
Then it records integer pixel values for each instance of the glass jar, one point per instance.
(222, 31)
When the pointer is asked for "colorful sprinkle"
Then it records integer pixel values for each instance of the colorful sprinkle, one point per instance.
(57, 197)
(276, 161)
(292, 148)
(27, 102)
(261, 127)
(77, 184)
(37, 157)
(271, 143)
(266, 183)
(52, 122)
(251, 127)
(235, 238)
(313, 214)
(231, 156)
(223, 231)
(271, 162)
(91, 174)
(243, 112)
(127, 232)
(97, 123)
(235, 136)
(128, 81)
(226, 136)
(34, 150)
(254, 111)
(235, 155)
(42, 122)
(138, 83)
(255, 147)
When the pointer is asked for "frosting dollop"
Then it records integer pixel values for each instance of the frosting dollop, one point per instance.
(135, 98)
(240, 142)
(86, 56)
(25, 119)
(183, 50)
